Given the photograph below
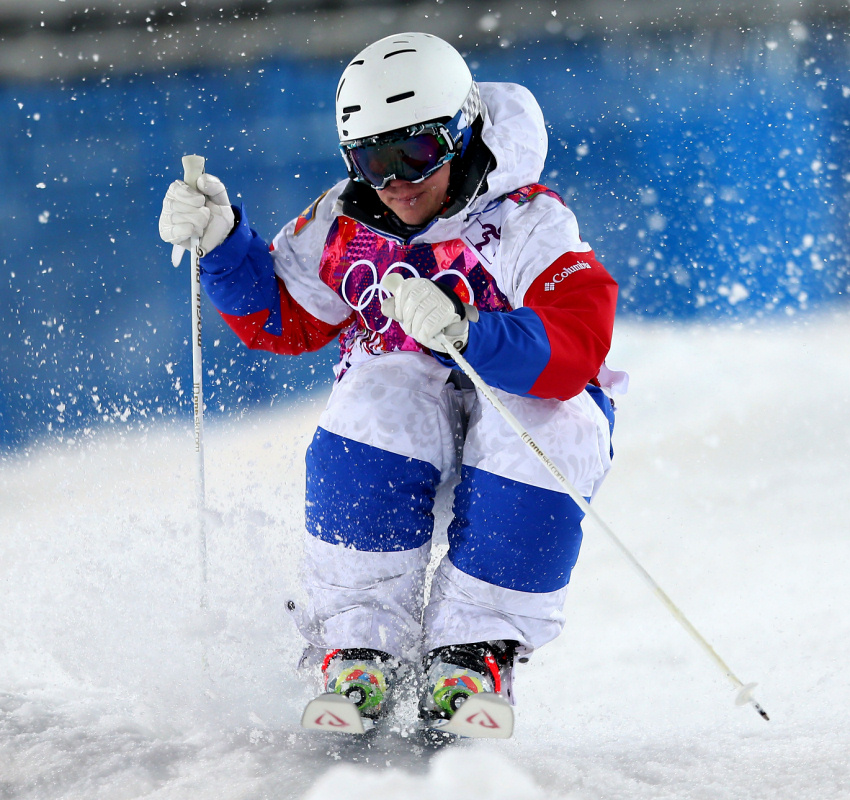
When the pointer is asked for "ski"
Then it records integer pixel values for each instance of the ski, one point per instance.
(482, 716)
(334, 713)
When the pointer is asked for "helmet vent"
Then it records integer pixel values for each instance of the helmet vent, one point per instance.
(348, 111)
(398, 52)
(403, 96)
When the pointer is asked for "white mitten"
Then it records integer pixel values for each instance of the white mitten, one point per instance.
(424, 309)
(204, 213)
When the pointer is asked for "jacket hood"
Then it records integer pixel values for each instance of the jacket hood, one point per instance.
(515, 133)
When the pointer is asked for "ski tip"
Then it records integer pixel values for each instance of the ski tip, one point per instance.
(332, 713)
(482, 716)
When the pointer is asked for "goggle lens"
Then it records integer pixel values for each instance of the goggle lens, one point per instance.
(412, 159)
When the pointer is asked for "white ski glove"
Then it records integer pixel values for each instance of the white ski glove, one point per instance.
(204, 212)
(424, 309)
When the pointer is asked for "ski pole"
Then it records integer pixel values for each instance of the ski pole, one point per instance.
(193, 168)
(745, 692)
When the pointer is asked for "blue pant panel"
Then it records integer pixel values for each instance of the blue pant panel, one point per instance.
(513, 535)
(367, 498)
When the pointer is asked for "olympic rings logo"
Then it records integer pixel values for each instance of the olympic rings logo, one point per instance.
(363, 290)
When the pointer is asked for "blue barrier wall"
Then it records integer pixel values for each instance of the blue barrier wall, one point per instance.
(710, 174)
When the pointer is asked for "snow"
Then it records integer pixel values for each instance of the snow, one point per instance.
(730, 487)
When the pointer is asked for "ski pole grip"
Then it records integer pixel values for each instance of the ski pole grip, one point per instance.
(193, 168)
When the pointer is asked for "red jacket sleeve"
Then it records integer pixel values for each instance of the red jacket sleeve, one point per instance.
(300, 331)
(575, 299)
(555, 343)
(239, 278)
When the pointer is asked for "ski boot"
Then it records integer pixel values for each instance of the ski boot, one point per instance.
(357, 691)
(468, 689)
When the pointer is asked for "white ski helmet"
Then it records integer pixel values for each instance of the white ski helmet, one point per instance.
(404, 80)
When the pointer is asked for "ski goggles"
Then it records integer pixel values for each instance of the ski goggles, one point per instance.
(409, 155)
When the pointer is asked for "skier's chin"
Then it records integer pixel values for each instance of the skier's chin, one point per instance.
(413, 211)
(417, 203)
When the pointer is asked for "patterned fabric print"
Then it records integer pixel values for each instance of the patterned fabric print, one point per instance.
(355, 260)
(527, 193)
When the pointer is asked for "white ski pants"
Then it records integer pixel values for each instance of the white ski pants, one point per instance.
(395, 430)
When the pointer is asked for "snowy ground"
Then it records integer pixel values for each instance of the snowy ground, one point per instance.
(730, 485)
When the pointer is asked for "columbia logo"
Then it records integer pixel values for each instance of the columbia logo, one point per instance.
(565, 273)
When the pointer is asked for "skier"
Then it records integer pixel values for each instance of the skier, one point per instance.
(443, 191)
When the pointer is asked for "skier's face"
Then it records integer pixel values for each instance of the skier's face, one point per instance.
(417, 203)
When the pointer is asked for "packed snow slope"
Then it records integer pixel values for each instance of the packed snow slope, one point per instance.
(730, 485)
